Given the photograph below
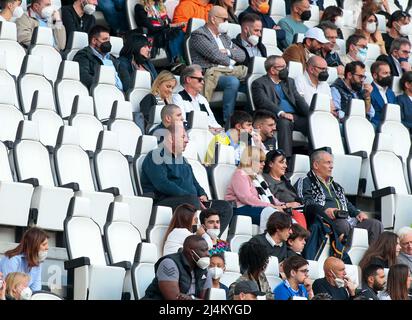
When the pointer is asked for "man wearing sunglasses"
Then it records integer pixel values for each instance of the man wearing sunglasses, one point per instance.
(398, 57)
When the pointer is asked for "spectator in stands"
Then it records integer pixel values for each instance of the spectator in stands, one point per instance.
(151, 19)
(246, 290)
(97, 53)
(398, 26)
(351, 87)
(356, 49)
(293, 23)
(264, 122)
(277, 93)
(253, 260)
(297, 240)
(183, 222)
(274, 239)
(324, 196)
(114, 12)
(210, 47)
(244, 188)
(383, 251)
(187, 9)
(27, 257)
(398, 284)
(41, 13)
(17, 286)
(182, 275)
(10, 10)
(374, 281)
(314, 80)
(382, 92)
(249, 39)
(335, 282)
(3, 287)
(398, 57)
(335, 15)
(170, 113)
(297, 282)
(190, 98)
(228, 5)
(369, 28)
(216, 269)
(169, 179)
(312, 45)
(274, 173)
(405, 240)
(79, 16)
(135, 55)
(404, 100)
(328, 50)
(210, 222)
(160, 94)
(261, 8)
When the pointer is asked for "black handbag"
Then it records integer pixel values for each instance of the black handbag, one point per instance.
(341, 214)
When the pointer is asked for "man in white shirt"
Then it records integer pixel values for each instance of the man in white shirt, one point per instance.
(190, 99)
(313, 80)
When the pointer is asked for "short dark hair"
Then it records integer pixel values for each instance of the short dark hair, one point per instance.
(293, 263)
(278, 221)
(96, 31)
(353, 39)
(406, 77)
(168, 110)
(396, 16)
(376, 66)
(219, 255)
(324, 25)
(3, 3)
(270, 61)
(330, 13)
(294, 2)
(261, 115)
(370, 270)
(250, 18)
(240, 117)
(351, 67)
(298, 232)
(206, 213)
(397, 43)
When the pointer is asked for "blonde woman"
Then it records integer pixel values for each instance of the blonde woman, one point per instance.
(161, 93)
(17, 286)
(368, 27)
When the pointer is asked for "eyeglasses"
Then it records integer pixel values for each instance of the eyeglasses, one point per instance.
(362, 47)
(361, 76)
(405, 51)
(200, 79)
(305, 271)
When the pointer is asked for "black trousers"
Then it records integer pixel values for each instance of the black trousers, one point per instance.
(223, 207)
(285, 130)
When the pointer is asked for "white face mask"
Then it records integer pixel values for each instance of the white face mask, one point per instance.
(223, 27)
(18, 12)
(47, 12)
(213, 233)
(339, 22)
(26, 294)
(203, 262)
(371, 27)
(216, 272)
(405, 29)
(253, 40)
(89, 9)
(340, 283)
(42, 255)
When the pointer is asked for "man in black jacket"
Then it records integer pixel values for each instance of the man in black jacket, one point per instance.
(277, 93)
(95, 55)
(398, 56)
(249, 39)
(174, 272)
(374, 281)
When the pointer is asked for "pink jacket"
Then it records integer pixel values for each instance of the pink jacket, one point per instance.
(242, 190)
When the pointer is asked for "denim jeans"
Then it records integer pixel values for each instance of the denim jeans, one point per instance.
(176, 46)
(230, 86)
(117, 20)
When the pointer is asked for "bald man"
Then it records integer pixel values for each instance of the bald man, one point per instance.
(314, 80)
(335, 282)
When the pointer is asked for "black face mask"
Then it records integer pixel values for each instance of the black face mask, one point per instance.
(305, 15)
(385, 82)
(356, 86)
(323, 76)
(105, 47)
(283, 74)
(194, 228)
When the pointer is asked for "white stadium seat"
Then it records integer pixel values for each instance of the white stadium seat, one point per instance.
(145, 144)
(76, 41)
(141, 87)
(143, 269)
(256, 70)
(270, 42)
(159, 222)
(232, 272)
(117, 45)
(240, 231)
(13, 51)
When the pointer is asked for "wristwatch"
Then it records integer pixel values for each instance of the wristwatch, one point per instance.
(193, 297)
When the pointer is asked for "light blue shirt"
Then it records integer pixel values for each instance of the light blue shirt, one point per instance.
(18, 263)
(108, 62)
(292, 27)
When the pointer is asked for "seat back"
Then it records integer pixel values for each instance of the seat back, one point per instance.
(359, 245)
(256, 70)
(221, 176)
(240, 231)
(117, 45)
(142, 84)
(240, 6)
(232, 272)
(278, 10)
(45, 295)
(200, 174)
(145, 144)
(10, 115)
(5, 170)
(68, 86)
(295, 69)
(396, 85)
(143, 271)
(13, 51)
(121, 122)
(193, 24)
(6, 79)
(314, 270)
(159, 222)
(300, 166)
(130, 4)
(269, 40)
(77, 41)
(216, 294)
(314, 18)
(374, 52)
(120, 235)
(354, 274)
(234, 30)
(272, 272)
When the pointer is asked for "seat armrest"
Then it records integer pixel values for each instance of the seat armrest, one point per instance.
(129, 159)
(90, 154)
(50, 149)
(71, 185)
(9, 144)
(122, 264)
(383, 192)
(33, 181)
(113, 190)
(76, 263)
(362, 154)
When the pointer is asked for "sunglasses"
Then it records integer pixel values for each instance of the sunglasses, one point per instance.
(200, 79)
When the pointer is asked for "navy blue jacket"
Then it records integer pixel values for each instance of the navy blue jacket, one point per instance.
(378, 103)
(406, 109)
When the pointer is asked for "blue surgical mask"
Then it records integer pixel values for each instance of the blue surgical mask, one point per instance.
(362, 53)
(402, 60)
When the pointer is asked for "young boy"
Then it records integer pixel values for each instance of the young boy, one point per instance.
(297, 240)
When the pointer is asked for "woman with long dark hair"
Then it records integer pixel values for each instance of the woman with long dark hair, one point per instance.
(397, 286)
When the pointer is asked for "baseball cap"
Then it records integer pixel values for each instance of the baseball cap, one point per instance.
(317, 34)
(248, 286)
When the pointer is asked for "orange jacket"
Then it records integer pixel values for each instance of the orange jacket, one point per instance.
(187, 9)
